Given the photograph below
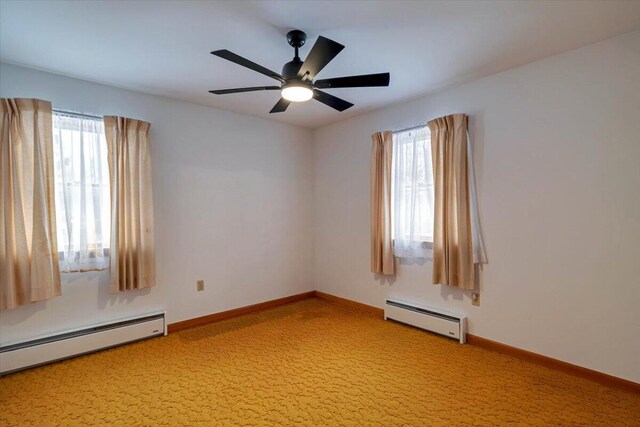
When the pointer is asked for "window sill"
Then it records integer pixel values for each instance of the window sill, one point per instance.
(81, 271)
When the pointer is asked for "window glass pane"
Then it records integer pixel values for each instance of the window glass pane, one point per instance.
(81, 192)
(412, 193)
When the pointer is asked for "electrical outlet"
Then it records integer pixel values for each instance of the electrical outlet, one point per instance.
(475, 298)
(200, 285)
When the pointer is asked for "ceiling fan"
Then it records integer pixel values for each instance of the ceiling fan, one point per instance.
(296, 80)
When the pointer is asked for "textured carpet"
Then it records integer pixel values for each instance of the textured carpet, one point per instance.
(311, 363)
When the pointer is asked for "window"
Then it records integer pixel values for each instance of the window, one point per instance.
(81, 192)
(412, 194)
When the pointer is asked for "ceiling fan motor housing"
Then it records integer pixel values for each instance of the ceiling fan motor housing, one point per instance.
(291, 68)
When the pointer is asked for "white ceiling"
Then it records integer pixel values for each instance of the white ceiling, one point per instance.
(162, 47)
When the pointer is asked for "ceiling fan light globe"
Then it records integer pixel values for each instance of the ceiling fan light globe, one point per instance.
(297, 93)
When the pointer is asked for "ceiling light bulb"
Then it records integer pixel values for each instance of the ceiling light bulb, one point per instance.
(297, 93)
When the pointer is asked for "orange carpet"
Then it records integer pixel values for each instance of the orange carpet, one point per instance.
(311, 363)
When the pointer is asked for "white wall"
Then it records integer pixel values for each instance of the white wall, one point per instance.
(557, 153)
(233, 206)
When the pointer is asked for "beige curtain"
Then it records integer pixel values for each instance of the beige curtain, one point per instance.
(453, 262)
(132, 256)
(29, 269)
(381, 242)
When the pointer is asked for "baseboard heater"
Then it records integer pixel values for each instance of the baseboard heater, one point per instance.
(435, 320)
(63, 345)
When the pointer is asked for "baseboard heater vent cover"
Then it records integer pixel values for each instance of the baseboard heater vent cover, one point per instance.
(63, 345)
(435, 320)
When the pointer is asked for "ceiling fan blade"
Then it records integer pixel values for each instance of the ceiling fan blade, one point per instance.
(243, 89)
(331, 101)
(322, 52)
(230, 56)
(368, 80)
(280, 106)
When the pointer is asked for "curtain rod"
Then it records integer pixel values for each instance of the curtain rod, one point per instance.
(411, 128)
(74, 114)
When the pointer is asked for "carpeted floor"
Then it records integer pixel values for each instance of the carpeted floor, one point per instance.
(311, 363)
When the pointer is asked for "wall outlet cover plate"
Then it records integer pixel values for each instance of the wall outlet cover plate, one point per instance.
(475, 298)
